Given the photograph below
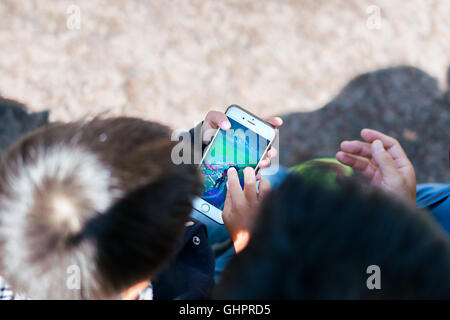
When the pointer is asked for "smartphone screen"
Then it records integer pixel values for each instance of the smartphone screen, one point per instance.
(238, 147)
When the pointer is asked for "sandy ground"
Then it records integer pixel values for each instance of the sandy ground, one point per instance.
(174, 60)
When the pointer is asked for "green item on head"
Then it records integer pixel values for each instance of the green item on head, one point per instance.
(324, 171)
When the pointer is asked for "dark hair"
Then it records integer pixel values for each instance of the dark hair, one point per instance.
(315, 243)
(102, 195)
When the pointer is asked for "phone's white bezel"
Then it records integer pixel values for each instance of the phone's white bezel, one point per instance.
(251, 122)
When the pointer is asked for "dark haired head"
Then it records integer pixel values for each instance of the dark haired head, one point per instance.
(314, 243)
(102, 197)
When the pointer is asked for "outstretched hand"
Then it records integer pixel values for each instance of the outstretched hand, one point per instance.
(382, 159)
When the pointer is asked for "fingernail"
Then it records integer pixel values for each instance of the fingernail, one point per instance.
(225, 125)
(249, 169)
(377, 145)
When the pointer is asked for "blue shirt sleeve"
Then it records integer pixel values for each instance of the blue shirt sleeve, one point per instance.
(436, 198)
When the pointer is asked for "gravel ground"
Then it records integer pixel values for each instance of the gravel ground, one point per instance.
(174, 60)
(403, 102)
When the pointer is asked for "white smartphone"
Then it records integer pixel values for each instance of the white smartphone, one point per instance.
(244, 145)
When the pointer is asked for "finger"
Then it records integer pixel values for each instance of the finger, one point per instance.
(272, 153)
(390, 144)
(227, 207)
(217, 119)
(384, 160)
(355, 147)
(275, 121)
(214, 120)
(250, 184)
(258, 176)
(234, 187)
(264, 163)
(358, 163)
(264, 188)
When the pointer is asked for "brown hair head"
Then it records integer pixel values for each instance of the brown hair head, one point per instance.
(101, 196)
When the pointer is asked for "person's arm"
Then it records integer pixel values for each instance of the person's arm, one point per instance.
(382, 159)
(242, 206)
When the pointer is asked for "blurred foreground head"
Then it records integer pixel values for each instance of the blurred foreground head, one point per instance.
(102, 196)
(311, 242)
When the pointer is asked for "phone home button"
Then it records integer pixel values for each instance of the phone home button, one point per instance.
(205, 207)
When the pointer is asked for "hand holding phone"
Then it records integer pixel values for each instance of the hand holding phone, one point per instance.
(245, 144)
(218, 119)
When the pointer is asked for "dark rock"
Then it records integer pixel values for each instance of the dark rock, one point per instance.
(16, 121)
(403, 102)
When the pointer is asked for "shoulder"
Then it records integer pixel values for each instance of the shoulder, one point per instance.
(190, 274)
(429, 194)
(436, 198)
